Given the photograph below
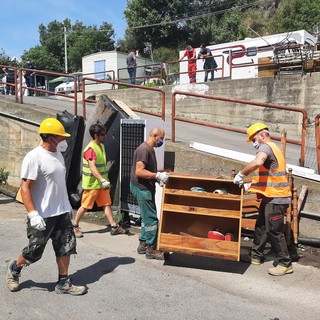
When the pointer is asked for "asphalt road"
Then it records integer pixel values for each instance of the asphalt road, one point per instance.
(125, 285)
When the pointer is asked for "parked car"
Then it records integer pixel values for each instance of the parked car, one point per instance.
(67, 85)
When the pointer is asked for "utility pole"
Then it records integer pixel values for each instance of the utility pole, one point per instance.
(65, 50)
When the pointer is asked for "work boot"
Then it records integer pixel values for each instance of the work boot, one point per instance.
(117, 229)
(142, 247)
(256, 261)
(77, 231)
(12, 277)
(68, 288)
(280, 270)
(153, 253)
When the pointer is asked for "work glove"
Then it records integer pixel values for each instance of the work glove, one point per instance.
(238, 179)
(36, 221)
(106, 184)
(246, 186)
(162, 177)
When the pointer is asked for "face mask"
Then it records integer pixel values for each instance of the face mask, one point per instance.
(62, 146)
(159, 144)
(256, 145)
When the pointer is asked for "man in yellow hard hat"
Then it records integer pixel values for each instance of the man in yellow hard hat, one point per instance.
(270, 182)
(44, 195)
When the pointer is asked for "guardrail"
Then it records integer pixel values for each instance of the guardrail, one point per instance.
(171, 75)
(317, 134)
(161, 91)
(41, 72)
(149, 71)
(302, 142)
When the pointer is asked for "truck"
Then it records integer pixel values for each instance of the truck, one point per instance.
(239, 59)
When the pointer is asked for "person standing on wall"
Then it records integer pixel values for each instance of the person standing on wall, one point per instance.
(190, 53)
(95, 181)
(209, 62)
(270, 182)
(45, 197)
(144, 174)
(132, 66)
(29, 77)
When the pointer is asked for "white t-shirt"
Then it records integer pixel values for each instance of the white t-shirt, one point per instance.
(49, 190)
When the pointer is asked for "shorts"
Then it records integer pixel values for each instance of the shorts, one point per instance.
(59, 229)
(100, 196)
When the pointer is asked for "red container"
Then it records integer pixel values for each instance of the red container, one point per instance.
(216, 235)
(229, 236)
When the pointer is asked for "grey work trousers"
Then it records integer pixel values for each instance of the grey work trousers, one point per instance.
(269, 228)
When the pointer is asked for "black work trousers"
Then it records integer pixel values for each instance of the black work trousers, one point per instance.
(269, 228)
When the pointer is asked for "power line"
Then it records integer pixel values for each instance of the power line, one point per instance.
(197, 17)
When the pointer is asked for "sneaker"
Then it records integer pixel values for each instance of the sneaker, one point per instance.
(69, 288)
(117, 230)
(256, 261)
(280, 270)
(153, 253)
(12, 277)
(142, 247)
(77, 231)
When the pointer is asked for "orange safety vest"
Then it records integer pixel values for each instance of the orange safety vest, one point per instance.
(272, 183)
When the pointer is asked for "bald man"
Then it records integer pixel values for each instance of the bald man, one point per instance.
(143, 177)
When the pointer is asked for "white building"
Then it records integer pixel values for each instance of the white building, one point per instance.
(111, 65)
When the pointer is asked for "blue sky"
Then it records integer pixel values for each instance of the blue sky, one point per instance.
(20, 19)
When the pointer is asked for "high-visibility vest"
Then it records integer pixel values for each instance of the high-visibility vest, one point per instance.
(272, 183)
(89, 181)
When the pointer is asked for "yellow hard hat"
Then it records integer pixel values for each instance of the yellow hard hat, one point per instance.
(253, 129)
(52, 126)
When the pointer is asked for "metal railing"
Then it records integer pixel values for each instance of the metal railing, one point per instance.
(171, 74)
(20, 87)
(149, 71)
(301, 143)
(317, 134)
(161, 91)
(41, 72)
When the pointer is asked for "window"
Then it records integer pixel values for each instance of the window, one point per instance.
(251, 51)
(99, 69)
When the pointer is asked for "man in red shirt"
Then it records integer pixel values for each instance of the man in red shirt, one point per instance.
(190, 53)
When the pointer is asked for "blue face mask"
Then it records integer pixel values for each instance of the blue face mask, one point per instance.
(159, 144)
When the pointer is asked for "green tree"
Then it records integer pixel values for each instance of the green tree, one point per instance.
(87, 40)
(43, 59)
(81, 40)
(4, 58)
(296, 15)
(175, 23)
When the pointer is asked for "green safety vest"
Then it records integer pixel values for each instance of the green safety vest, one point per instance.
(89, 181)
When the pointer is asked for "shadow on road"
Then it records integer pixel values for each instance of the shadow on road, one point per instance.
(205, 263)
(94, 272)
(84, 276)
